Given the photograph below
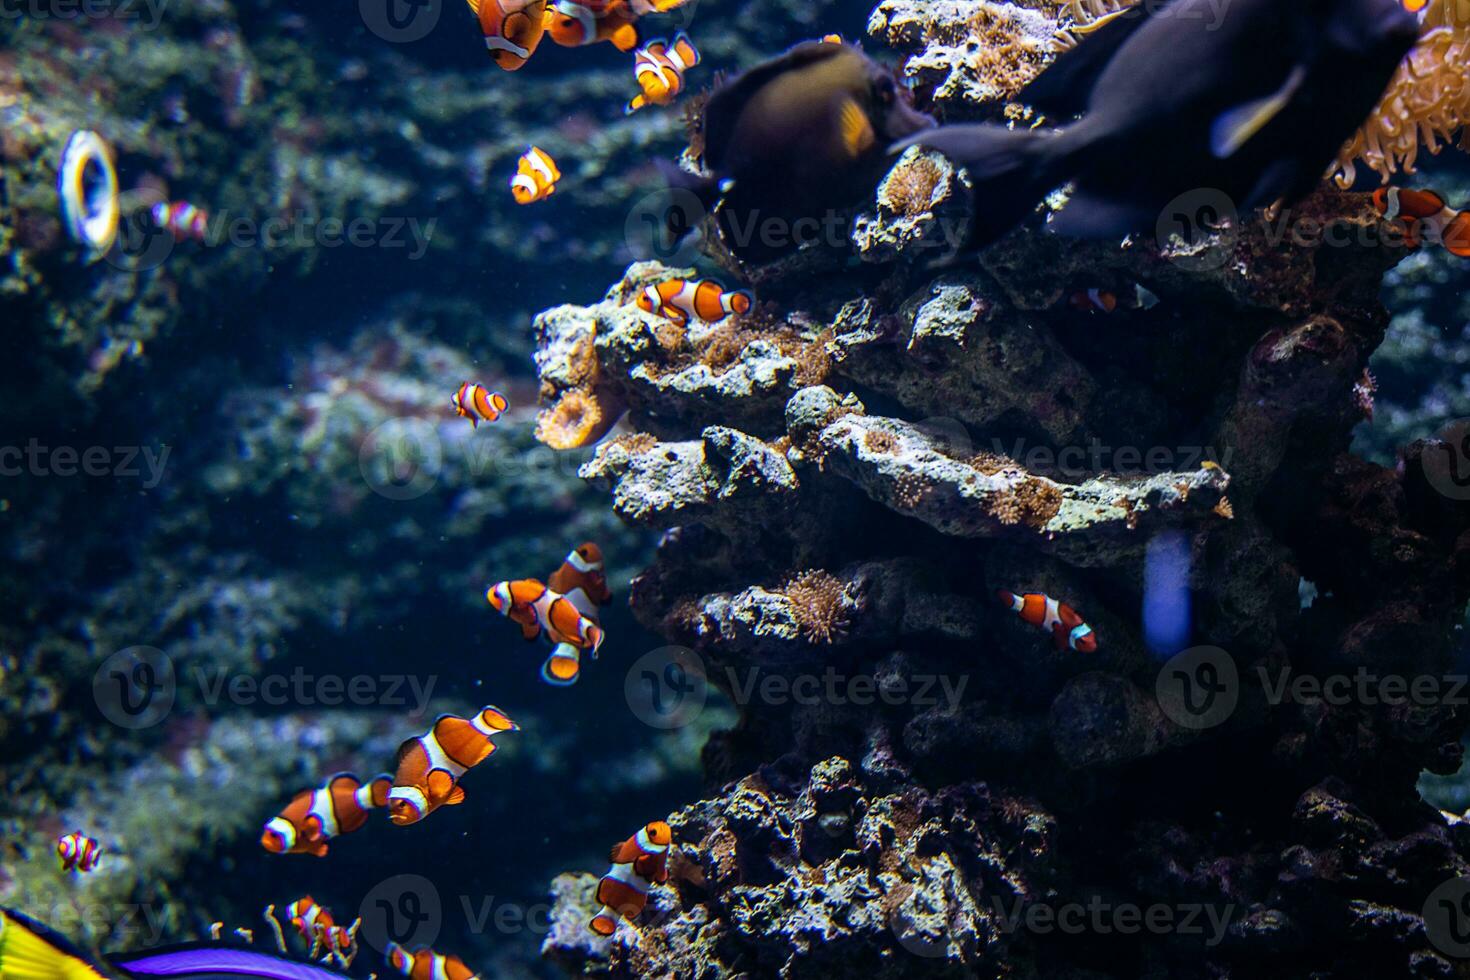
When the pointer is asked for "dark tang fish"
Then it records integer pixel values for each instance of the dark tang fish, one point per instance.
(30, 951)
(797, 138)
(1253, 103)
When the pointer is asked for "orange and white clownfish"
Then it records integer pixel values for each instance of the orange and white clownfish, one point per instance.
(537, 610)
(1425, 217)
(78, 852)
(181, 219)
(429, 766)
(425, 964)
(315, 816)
(512, 29)
(535, 178)
(681, 299)
(583, 581)
(637, 863)
(478, 404)
(573, 23)
(317, 926)
(659, 68)
(1045, 613)
(1093, 301)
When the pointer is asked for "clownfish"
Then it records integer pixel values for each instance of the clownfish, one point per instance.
(681, 299)
(429, 766)
(659, 68)
(582, 580)
(475, 403)
(637, 863)
(315, 816)
(181, 219)
(535, 178)
(78, 852)
(1425, 212)
(316, 926)
(1093, 301)
(832, 39)
(539, 610)
(573, 23)
(1045, 613)
(425, 964)
(512, 29)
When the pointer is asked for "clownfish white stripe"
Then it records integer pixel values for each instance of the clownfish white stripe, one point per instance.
(581, 564)
(410, 795)
(648, 845)
(438, 758)
(283, 827)
(624, 873)
(1078, 634)
(322, 809)
(498, 43)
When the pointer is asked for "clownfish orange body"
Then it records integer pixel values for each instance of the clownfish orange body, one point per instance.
(425, 964)
(429, 766)
(573, 23)
(638, 863)
(512, 29)
(1093, 301)
(315, 816)
(316, 926)
(1057, 618)
(478, 404)
(536, 177)
(538, 610)
(582, 580)
(659, 68)
(681, 300)
(1425, 217)
(78, 852)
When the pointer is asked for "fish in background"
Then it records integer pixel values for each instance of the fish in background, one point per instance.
(315, 816)
(1036, 609)
(638, 863)
(573, 23)
(317, 927)
(1173, 99)
(429, 766)
(478, 404)
(1425, 217)
(540, 611)
(659, 67)
(582, 580)
(181, 219)
(425, 964)
(535, 178)
(512, 29)
(30, 951)
(78, 852)
(681, 300)
(801, 136)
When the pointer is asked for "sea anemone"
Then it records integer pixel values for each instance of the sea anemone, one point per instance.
(880, 441)
(1427, 102)
(819, 600)
(1032, 501)
(909, 189)
(576, 420)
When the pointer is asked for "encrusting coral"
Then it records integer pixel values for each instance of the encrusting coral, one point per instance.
(820, 602)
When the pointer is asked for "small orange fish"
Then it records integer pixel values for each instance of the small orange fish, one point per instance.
(537, 610)
(317, 926)
(425, 964)
(1425, 216)
(512, 29)
(1416, 6)
(1093, 301)
(429, 766)
(659, 68)
(1045, 613)
(582, 580)
(315, 816)
(182, 220)
(681, 299)
(78, 852)
(536, 177)
(572, 23)
(477, 404)
(638, 863)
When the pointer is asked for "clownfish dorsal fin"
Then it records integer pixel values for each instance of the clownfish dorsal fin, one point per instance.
(1236, 127)
(853, 125)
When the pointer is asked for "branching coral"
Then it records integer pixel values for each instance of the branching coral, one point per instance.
(819, 599)
(1427, 103)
